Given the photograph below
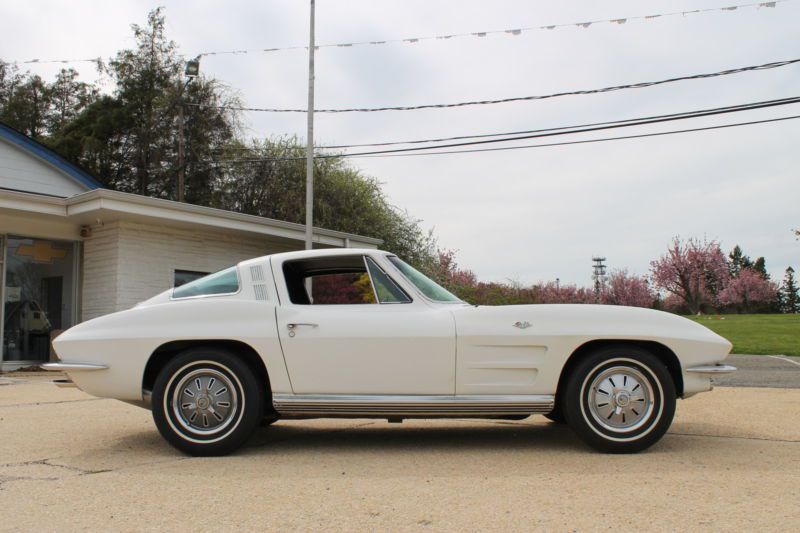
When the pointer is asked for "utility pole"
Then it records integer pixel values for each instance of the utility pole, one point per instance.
(310, 138)
(192, 71)
(181, 169)
(598, 274)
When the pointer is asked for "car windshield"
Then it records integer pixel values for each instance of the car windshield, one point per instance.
(427, 286)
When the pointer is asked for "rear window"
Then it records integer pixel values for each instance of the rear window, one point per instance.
(222, 282)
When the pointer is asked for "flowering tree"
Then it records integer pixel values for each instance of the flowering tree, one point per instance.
(748, 291)
(627, 289)
(555, 293)
(695, 272)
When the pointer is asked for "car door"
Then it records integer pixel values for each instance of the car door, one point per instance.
(391, 344)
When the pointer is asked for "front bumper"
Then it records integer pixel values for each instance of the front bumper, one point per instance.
(711, 369)
(698, 378)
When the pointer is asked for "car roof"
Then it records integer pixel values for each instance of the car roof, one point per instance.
(326, 252)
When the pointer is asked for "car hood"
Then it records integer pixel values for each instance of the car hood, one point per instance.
(597, 321)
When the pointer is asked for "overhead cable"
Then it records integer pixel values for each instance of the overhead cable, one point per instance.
(639, 85)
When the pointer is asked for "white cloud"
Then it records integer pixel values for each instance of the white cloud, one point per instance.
(528, 214)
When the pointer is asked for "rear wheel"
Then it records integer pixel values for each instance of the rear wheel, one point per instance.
(207, 401)
(620, 399)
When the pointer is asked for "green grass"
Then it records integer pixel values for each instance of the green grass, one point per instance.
(757, 334)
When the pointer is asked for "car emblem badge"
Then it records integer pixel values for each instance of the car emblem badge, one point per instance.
(522, 325)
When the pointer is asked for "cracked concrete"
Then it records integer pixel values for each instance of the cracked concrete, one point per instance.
(730, 461)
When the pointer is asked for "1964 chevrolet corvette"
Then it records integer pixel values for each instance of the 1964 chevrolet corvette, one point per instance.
(373, 337)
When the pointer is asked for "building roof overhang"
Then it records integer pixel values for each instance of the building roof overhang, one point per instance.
(101, 206)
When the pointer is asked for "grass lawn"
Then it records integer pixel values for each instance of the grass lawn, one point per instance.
(757, 334)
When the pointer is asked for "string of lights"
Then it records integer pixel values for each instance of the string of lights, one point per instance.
(504, 32)
(514, 32)
(639, 85)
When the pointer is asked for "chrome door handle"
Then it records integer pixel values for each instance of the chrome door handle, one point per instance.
(298, 324)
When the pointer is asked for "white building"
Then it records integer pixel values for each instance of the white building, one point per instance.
(71, 250)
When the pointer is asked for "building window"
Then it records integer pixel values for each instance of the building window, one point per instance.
(182, 277)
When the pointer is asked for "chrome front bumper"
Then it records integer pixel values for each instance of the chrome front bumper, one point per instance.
(711, 369)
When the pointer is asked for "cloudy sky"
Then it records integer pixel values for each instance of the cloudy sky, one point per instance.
(532, 214)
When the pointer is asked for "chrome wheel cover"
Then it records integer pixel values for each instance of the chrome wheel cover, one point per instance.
(205, 401)
(620, 399)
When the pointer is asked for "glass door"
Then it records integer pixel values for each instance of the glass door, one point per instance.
(39, 296)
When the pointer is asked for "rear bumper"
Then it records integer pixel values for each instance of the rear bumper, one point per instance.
(66, 366)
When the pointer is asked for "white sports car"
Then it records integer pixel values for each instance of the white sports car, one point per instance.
(360, 333)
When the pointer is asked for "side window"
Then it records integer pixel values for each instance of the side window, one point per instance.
(222, 282)
(386, 289)
(343, 288)
(182, 277)
(335, 280)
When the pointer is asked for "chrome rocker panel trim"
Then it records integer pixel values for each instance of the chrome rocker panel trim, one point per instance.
(66, 366)
(712, 369)
(410, 406)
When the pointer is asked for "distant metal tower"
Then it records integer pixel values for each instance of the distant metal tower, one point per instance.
(599, 273)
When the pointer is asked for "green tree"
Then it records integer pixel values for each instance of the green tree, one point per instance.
(737, 260)
(267, 178)
(130, 137)
(789, 298)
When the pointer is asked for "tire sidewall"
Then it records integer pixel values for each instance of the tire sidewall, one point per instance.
(580, 418)
(249, 409)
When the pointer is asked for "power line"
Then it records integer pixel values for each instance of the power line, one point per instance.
(612, 123)
(588, 141)
(502, 148)
(673, 116)
(490, 138)
(639, 85)
(504, 32)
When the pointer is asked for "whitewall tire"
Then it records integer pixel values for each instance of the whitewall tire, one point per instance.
(207, 401)
(620, 399)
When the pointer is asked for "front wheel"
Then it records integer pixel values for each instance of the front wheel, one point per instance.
(207, 401)
(620, 399)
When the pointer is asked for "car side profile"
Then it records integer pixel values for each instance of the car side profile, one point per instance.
(361, 334)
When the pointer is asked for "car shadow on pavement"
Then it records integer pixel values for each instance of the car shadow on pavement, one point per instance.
(372, 435)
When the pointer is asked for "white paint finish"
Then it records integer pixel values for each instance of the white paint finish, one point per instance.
(420, 348)
(124, 341)
(22, 171)
(486, 335)
(369, 349)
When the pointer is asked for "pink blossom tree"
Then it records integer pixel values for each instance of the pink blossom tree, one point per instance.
(748, 291)
(695, 272)
(627, 289)
(555, 293)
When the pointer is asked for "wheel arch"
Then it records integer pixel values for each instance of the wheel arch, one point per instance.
(663, 352)
(164, 353)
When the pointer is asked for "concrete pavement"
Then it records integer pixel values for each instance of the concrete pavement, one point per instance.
(70, 462)
(778, 371)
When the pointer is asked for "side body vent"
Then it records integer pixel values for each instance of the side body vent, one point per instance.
(260, 291)
(256, 273)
